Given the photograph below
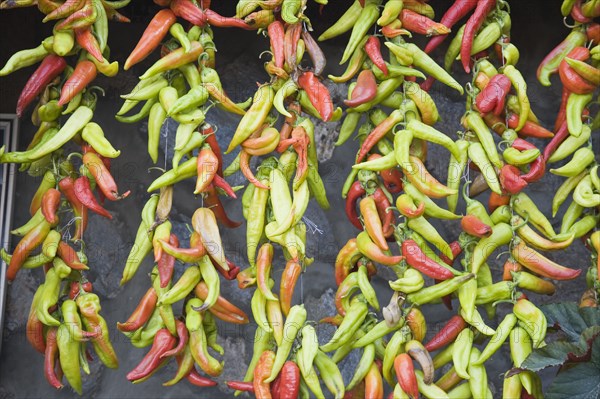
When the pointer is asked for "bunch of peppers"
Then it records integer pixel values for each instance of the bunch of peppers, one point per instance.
(64, 313)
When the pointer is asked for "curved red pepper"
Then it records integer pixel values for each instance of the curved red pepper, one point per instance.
(483, 8)
(561, 135)
(50, 357)
(220, 21)
(537, 169)
(511, 180)
(50, 204)
(212, 201)
(69, 256)
(373, 50)
(562, 112)
(318, 94)
(447, 334)
(416, 258)
(142, 312)
(365, 89)
(493, 97)
(530, 129)
(67, 187)
(163, 342)
(577, 13)
(354, 194)
(570, 79)
(166, 263)
(456, 12)
(183, 336)
(472, 225)
(385, 213)
(83, 191)
(276, 36)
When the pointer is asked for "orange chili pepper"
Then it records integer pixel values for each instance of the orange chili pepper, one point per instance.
(264, 259)
(318, 94)
(222, 306)
(103, 178)
(276, 37)
(365, 89)
(247, 172)
(86, 39)
(372, 223)
(373, 383)
(207, 165)
(346, 260)
(405, 373)
(472, 225)
(155, 32)
(497, 200)
(421, 24)
(28, 243)
(83, 74)
(142, 312)
(262, 371)
(50, 204)
(288, 282)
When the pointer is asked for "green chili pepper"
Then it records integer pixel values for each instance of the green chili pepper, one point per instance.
(430, 233)
(501, 235)
(184, 171)
(310, 378)
(355, 315)
(348, 127)
(254, 117)
(564, 190)
(49, 298)
(431, 208)
(527, 209)
(345, 23)
(501, 335)
(462, 351)
(293, 324)
(575, 105)
(431, 293)
(475, 123)
(456, 168)
(68, 350)
(368, 15)
(186, 283)
(453, 50)
(330, 374)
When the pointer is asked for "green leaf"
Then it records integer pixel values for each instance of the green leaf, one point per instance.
(579, 382)
(553, 354)
(590, 315)
(566, 317)
(596, 353)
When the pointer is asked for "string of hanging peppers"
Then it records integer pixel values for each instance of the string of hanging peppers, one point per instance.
(394, 117)
(65, 314)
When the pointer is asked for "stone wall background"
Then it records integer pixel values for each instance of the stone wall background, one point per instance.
(537, 28)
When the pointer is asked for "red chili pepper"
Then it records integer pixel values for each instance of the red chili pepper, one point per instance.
(472, 225)
(247, 172)
(447, 334)
(69, 256)
(196, 379)
(84, 73)
(183, 336)
(67, 187)
(28, 243)
(155, 32)
(206, 164)
(420, 24)
(561, 135)
(427, 83)
(365, 89)
(537, 169)
(373, 50)
(530, 129)
(593, 32)
(84, 194)
(163, 341)
(385, 213)
(456, 12)
(570, 79)
(392, 178)
(50, 357)
(405, 373)
(51, 67)
(318, 94)
(220, 21)
(377, 134)
(416, 258)
(34, 331)
(493, 97)
(241, 386)
(276, 36)
(187, 10)
(86, 39)
(300, 142)
(213, 201)
(221, 183)
(483, 8)
(577, 14)
(142, 312)
(50, 204)
(562, 112)
(230, 274)
(511, 179)
(101, 174)
(166, 263)
(541, 265)
(289, 382)
(354, 194)
(497, 200)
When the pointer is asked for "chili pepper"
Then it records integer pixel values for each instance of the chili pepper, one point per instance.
(482, 9)
(276, 37)
(373, 50)
(584, 70)
(417, 23)
(83, 75)
(24, 58)
(35, 328)
(263, 369)
(447, 334)
(142, 312)
(102, 176)
(364, 91)
(289, 381)
(84, 194)
(405, 373)
(415, 257)
(369, 249)
(50, 68)
(26, 245)
(50, 204)
(163, 341)
(354, 194)
(354, 66)
(367, 17)
(350, 324)
(254, 117)
(345, 23)
(89, 306)
(533, 321)
(421, 226)
(492, 97)
(186, 283)
(291, 39)
(551, 62)
(240, 386)
(437, 291)
(372, 222)
(455, 13)
(314, 51)
(68, 350)
(288, 282)
(571, 80)
(411, 281)
(472, 225)
(69, 256)
(50, 356)
(539, 264)
(220, 21)
(318, 94)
